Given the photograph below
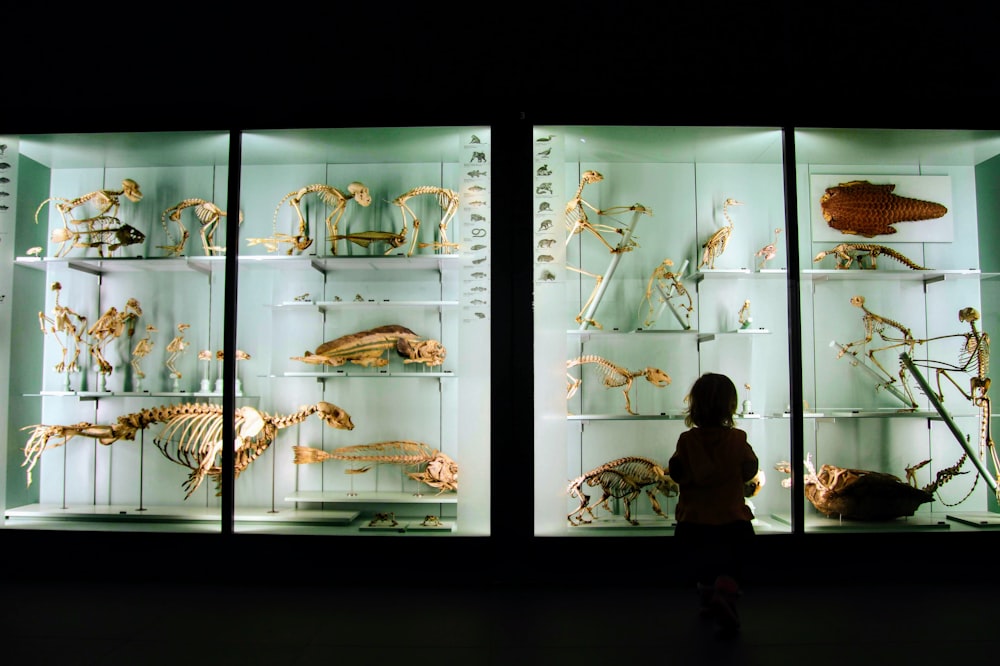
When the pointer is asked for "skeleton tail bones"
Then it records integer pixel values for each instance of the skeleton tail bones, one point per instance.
(441, 471)
(847, 253)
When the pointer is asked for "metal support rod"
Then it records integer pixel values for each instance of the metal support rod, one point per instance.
(615, 258)
(946, 417)
(665, 294)
(861, 362)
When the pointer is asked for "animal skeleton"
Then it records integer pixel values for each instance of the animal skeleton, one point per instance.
(848, 253)
(440, 470)
(668, 284)
(877, 324)
(717, 242)
(103, 232)
(176, 347)
(577, 222)
(862, 208)
(769, 251)
(974, 358)
(64, 324)
(108, 202)
(208, 214)
(621, 478)
(448, 201)
(743, 316)
(142, 350)
(112, 325)
(370, 348)
(331, 196)
(614, 376)
(190, 435)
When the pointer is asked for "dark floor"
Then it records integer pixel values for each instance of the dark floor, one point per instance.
(425, 622)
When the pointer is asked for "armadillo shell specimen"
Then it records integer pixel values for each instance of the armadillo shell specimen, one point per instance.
(862, 208)
(857, 494)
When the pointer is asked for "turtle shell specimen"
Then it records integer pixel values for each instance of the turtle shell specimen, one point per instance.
(858, 494)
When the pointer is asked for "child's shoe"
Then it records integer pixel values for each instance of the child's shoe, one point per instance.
(723, 603)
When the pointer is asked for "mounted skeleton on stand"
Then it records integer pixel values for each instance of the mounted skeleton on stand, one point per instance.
(577, 222)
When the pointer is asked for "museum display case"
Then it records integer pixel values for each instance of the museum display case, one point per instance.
(352, 281)
(898, 275)
(659, 255)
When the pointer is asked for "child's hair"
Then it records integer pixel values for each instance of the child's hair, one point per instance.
(711, 402)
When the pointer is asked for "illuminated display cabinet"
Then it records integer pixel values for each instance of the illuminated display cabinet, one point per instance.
(379, 235)
(652, 294)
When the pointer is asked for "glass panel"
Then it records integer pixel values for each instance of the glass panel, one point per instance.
(364, 308)
(897, 282)
(99, 398)
(624, 291)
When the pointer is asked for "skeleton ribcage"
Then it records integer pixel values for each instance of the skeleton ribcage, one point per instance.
(625, 478)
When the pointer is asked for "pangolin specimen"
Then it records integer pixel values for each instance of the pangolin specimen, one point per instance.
(862, 208)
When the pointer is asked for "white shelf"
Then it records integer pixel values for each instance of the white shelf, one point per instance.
(368, 497)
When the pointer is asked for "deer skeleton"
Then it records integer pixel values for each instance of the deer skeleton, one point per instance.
(614, 376)
(190, 435)
(577, 222)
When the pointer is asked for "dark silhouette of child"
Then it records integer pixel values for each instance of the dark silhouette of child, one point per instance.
(712, 464)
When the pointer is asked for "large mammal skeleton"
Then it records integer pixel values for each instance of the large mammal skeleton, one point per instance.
(439, 471)
(614, 376)
(190, 435)
(622, 478)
